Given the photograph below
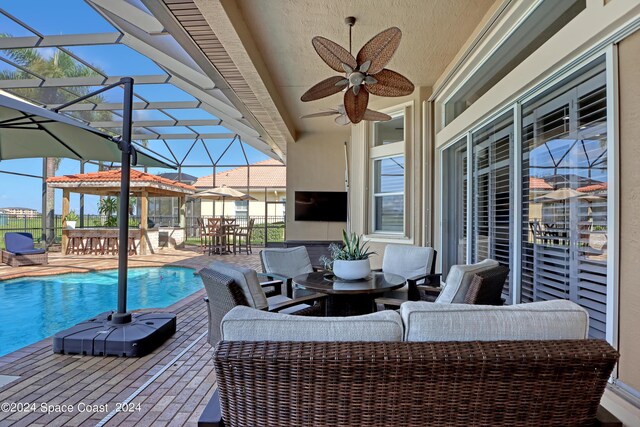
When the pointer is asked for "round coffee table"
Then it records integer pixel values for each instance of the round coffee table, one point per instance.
(350, 297)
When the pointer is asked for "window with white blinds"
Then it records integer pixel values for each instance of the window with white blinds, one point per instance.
(491, 192)
(388, 177)
(389, 194)
(564, 196)
(454, 220)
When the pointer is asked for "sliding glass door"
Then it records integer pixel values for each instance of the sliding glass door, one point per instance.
(491, 195)
(564, 196)
(559, 209)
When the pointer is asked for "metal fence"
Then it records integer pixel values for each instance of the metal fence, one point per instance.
(266, 230)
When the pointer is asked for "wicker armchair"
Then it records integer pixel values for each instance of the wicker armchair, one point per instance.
(228, 286)
(20, 251)
(486, 286)
(505, 383)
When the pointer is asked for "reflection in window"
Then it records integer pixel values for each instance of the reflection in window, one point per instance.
(491, 196)
(564, 230)
(454, 218)
(389, 194)
(389, 132)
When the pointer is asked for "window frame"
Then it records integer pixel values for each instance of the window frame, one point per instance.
(385, 151)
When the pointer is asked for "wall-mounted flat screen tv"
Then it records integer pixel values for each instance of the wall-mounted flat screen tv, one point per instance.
(321, 206)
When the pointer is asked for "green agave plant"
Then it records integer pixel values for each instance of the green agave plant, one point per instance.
(353, 249)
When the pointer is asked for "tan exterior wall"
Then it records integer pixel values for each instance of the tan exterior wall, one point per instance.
(256, 207)
(315, 162)
(629, 311)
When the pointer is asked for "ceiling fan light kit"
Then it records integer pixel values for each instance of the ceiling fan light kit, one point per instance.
(363, 75)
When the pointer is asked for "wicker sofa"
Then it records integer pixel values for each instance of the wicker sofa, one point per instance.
(428, 365)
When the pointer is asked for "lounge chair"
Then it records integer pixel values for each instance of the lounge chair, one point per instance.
(20, 250)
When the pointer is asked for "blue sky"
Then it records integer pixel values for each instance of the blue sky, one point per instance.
(76, 17)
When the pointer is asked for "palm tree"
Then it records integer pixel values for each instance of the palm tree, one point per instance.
(57, 65)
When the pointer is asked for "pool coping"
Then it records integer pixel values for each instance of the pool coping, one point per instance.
(77, 270)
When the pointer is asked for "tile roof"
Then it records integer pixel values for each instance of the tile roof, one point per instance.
(114, 176)
(539, 184)
(272, 174)
(593, 187)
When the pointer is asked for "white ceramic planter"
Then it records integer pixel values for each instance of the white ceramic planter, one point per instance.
(352, 270)
(71, 224)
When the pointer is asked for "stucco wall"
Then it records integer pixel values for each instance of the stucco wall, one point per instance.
(315, 162)
(629, 334)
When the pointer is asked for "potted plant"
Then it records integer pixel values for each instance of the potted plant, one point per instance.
(351, 261)
(71, 219)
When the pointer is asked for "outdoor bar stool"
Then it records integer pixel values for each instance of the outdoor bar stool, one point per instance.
(111, 246)
(132, 246)
(93, 245)
(76, 245)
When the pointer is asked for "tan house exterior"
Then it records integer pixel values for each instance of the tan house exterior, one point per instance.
(21, 212)
(265, 180)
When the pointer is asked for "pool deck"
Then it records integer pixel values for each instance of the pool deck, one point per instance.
(175, 397)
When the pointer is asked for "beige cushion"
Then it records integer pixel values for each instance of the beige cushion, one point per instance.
(247, 324)
(548, 320)
(459, 279)
(247, 279)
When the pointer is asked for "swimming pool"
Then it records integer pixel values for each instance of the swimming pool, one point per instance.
(33, 308)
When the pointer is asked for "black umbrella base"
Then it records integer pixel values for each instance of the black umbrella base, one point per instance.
(102, 336)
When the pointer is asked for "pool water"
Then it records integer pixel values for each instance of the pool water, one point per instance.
(33, 308)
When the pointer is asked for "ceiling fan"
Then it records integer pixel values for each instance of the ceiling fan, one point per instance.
(365, 74)
(343, 119)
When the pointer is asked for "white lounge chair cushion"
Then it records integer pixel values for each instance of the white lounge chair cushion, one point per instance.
(247, 324)
(459, 280)
(547, 320)
(247, 279)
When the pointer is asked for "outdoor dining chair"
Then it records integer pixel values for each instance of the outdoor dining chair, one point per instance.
(243, 236)
(417, 264)
(285, 264)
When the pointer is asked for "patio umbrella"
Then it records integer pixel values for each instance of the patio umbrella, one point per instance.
(559, 195)
(28, 131)
(223, 193)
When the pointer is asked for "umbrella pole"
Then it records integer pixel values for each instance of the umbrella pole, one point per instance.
(123, 245)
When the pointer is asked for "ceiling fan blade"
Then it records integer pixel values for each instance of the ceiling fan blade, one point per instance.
(390, 83)
(333, 54)
(323, 89)
(342, 120)
(375, 116)
(320, 114)
(356, 105)
(380, 49)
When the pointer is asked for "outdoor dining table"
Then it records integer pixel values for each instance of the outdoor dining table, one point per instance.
(349, 297)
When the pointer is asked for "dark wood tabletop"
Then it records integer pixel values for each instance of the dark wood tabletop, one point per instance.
(327, 283)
